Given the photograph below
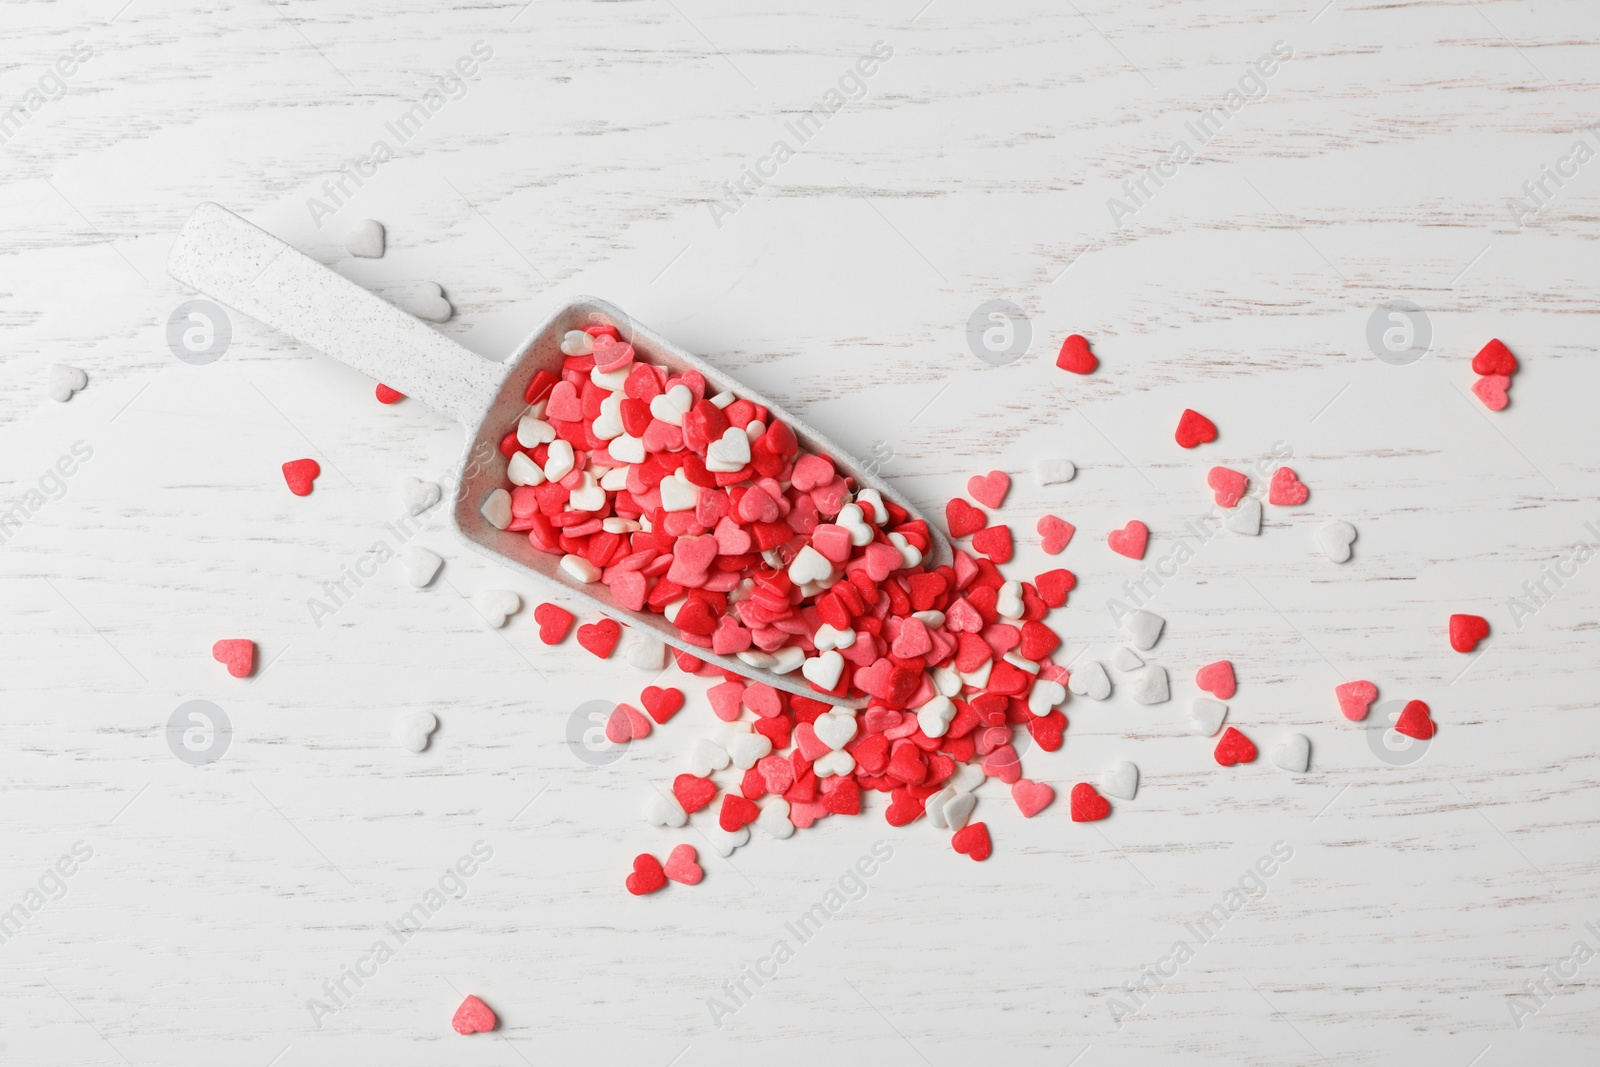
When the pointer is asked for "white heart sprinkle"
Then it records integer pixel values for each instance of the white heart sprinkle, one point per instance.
(1143, 628)
(968, 777)
(854, 521)
(774, 817)
(533, 431)
(608, 424)
(579, 569)
(835, 729)
(1206, 716)
(933, 807)
(497, 605)
(1054, 471)
(729, 453)
(427, 301)
(1126, 659)
(660, 810)
(1293, 753)
(809, 566)
(421, 565)
(678, 493)
(417, 495)
(725, 842)
(1090, 680)
(522, 470)
(746, 749)
(934, 716)
(1121, 781)
(834, 763)
(496, 509)
(64, 381)
(576, 343)
(787, 659)
(1150, 684)
(958, 809)
(1009, 603)
(1044, 695)
(412, 729)
(646, 653)
(365, 239)
(1335, 538)
(823, 669)
(671, 406)
(871, 498)
(1246, 518)
(559, 460)
(705, 757)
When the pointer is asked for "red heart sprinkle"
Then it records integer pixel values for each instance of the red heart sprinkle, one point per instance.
(844, 799)
(1227, 486)
(961, 518)
(1194, 429)
(1217, 679)
(1130, 540)
(662, 704)
(300, 473)
(1355, 699)
(1075, 356)
(973, 840)
(681, 866)
(237, 654)
(693, 793)
(1415, 721)
(554, 622)
(993, 542)
(903, 808)
(1466, 631)
(1494, 358)
(647, 875)
(1087, 804)
(1054, 586)
(600, 637)
(387, 395)
(989, 489)
(1031, 797)
(1286, 489)
(736, 812)
(1234, 747)
(1491, 389)
(1054, 534)
(473, 1017)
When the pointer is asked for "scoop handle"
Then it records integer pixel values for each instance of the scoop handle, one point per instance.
(222, 256)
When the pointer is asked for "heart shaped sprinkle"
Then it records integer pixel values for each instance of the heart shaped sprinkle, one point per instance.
(1087, 804)
(1416, 720)
(1293, 754)
(420, 565)
(387, 395)
(236, 654)
(692, 792)
(1150, 685)
(1090, 680)
(1286, 489)
(1206, 716)
(1143, 629)
(1194, 429)
(473, 1017)
(647, 876)
(65, 381)
(497, 605)
(600, 638)
(413, 728)
(681, 866)
(1492, 390)
(1234, 748)
(554, 622)
(1129, 541)
(993, 542)
(1246, 518)
(961, 518)
(365, 239)
(1053, 470)
(1031, 797)
(1054, 534)
(1227, 486)
(1494, 358)
(1355, 699)
(989, 489)
(973, 840)
(417, 495)
(1466, 631)
(299, 474)
(1075, 356)
(625, 724)
(1335, 540)
(427, 301)
(662, 704)
(1217, 679)
(1121, 780)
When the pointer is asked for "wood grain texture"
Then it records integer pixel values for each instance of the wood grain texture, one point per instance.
(585, 156)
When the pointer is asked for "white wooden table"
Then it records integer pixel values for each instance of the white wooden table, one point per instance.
(589, 153)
